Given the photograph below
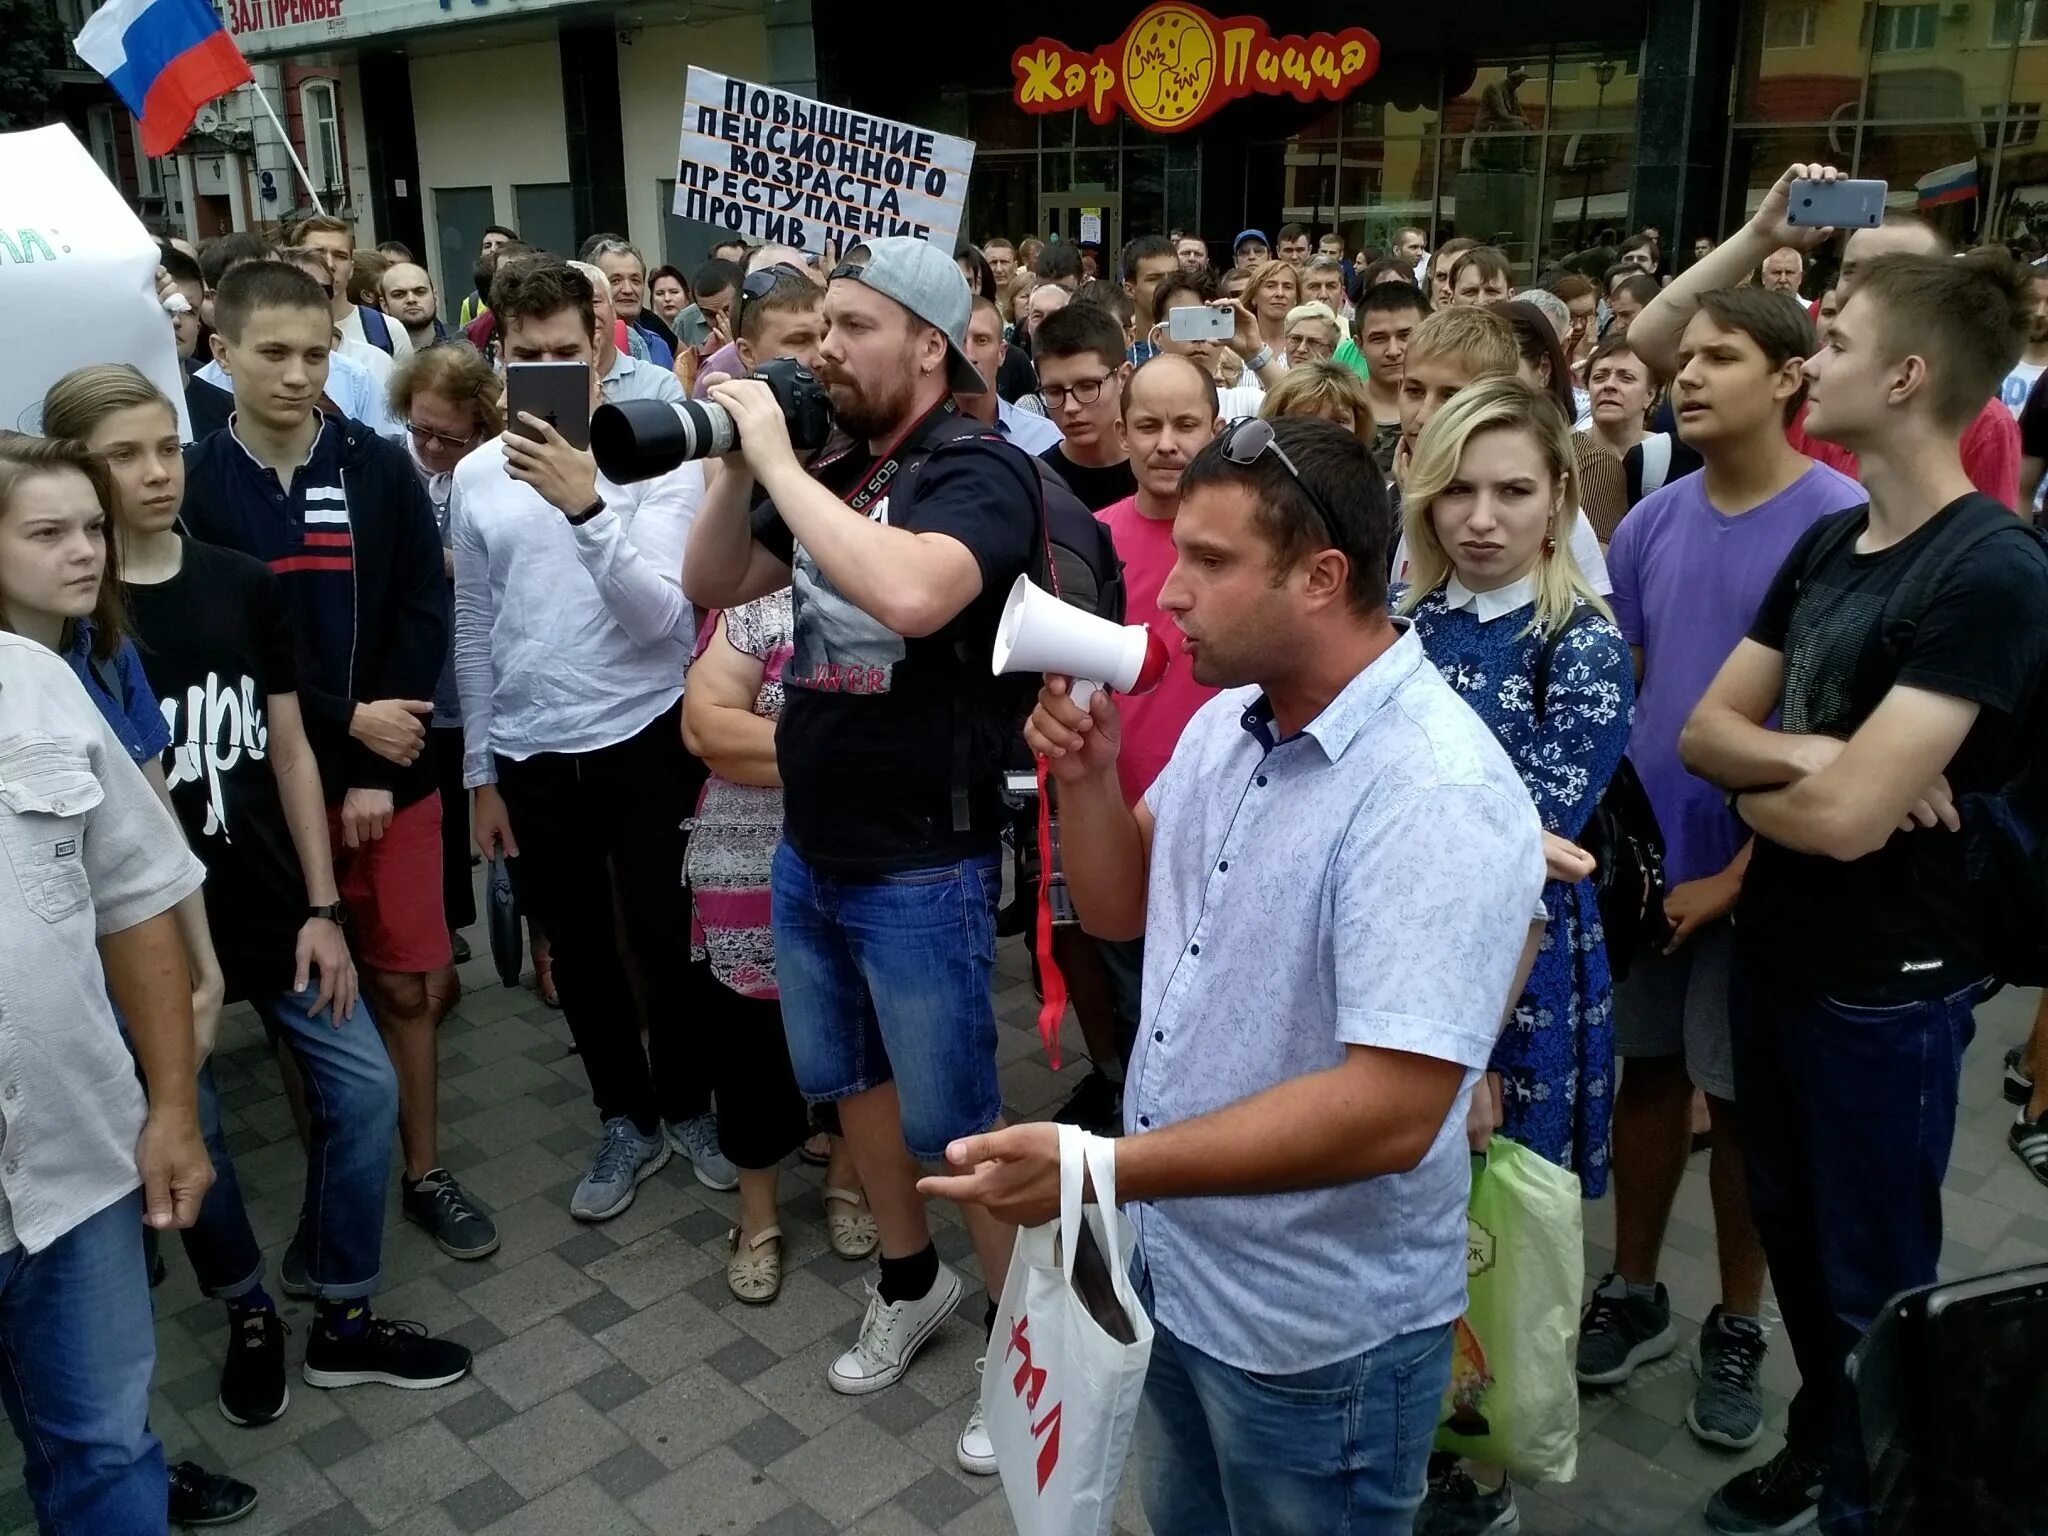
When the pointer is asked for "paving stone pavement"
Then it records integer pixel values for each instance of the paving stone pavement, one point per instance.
(619, 1388)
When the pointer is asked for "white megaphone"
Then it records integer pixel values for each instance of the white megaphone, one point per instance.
(1039, 633)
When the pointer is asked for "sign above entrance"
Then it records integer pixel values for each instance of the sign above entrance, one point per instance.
(1176, 64)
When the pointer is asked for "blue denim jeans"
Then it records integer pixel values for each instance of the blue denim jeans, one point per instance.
(352, 1096)
(77, 1346)
(1848, 1116)
(1342, 1450)
(893, 978)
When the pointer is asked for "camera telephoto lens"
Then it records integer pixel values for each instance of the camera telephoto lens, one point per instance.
(639, 439)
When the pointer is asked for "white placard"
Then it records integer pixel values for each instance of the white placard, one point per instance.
(1091, 226)
(773, 166)
(77, 277)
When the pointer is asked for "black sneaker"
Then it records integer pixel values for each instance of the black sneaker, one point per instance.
(1457, 1506)
(459, 947)
(2029, 1142)
(394, 1353)
(1619, 1331)
(1727, 1409)
(200, 1497)
(445, 1209)
(2018, 1086)
(252, 1385)
(1781, 1495)
(1097, 1105)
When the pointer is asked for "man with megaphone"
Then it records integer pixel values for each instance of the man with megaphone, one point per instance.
(900, 552)
(1334, 875)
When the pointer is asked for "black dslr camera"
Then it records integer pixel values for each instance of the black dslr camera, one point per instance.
(639, 439)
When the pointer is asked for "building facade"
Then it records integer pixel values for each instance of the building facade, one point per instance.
(1533, 126)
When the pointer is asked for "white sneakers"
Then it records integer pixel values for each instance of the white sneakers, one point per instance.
(974, 1450)
(890, 1334)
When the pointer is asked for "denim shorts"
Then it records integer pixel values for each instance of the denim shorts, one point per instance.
(893, 978)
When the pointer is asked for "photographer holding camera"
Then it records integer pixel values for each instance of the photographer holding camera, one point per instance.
(901, 549)
(571, 636)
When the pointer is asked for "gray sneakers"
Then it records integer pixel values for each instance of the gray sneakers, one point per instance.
(1619, 1331)
(1728, 1407)
(1457, 1506)
(624, 1157)
(698, 1141)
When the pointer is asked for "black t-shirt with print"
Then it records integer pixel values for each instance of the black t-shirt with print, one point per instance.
(1896, 925)
(1097, 487)
(872, 721)
(216, 641)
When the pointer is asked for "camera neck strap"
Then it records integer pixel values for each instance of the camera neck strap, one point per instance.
(889, 463)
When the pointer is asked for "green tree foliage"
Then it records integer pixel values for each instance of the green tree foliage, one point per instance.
(35, 46)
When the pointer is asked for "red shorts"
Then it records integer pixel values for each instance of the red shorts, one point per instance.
(393, 890)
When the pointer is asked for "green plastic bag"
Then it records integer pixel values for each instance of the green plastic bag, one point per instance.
(1514, 1398)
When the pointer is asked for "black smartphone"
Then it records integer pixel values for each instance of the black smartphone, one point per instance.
(1985, 1364)
(558, 393)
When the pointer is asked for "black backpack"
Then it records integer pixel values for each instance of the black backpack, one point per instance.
(2004, 830)
(1076, 562)
(1624, 839)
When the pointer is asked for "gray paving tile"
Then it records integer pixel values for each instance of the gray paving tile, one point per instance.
(898, 1410)
(716, 1492)
(797, 1389)
(767, 1438)
(517, 1298)
(627, 1473)
(586, 1247)
(477, 1335)
(550, 1443)
(704, 1226)
(651, 1268)
(383, 1410)
(611, 1388)
(683, 1417)
(596, 1313)
(807, 1310)
(580, 1507)
(889, 1520)
(483, 1503)
(668, 1337)
(331, 1442)
(421, 1465)
(535, 1365)
(342, 1520)
(742, 1360)
(849, 1469)
(483, 1410)
(935, 1499)
(797, 1520)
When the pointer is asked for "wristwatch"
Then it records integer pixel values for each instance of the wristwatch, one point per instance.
(578, 519)
(336, 912)
(1260, 358)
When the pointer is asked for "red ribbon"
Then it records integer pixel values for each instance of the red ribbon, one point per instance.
(1050, 980)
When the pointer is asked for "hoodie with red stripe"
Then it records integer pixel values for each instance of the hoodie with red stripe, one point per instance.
(353, 542)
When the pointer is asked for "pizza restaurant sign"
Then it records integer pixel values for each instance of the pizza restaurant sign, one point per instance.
(1176, 64)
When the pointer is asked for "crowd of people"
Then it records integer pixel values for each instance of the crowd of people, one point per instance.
(1442, 567)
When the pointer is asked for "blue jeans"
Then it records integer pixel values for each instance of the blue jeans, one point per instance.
(77, 1346)
(893, 978)
(1342, 1450)
(352, 1096)
(1848, 1115)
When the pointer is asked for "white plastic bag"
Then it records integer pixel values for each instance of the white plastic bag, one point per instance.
(1060, 1390)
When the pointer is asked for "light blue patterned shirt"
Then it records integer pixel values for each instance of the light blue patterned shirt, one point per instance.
(1368, 881)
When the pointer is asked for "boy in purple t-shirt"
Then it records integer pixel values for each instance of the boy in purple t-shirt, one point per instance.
(1690, 565)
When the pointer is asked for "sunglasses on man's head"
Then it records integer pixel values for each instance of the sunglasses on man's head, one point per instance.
(759, 285)
(1248, 437)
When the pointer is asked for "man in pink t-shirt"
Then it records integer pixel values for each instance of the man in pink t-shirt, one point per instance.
(1166, 413)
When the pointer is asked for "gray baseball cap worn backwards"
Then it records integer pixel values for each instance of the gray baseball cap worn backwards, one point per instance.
(925, 281)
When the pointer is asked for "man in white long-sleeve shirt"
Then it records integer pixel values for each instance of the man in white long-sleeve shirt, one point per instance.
(571, 637)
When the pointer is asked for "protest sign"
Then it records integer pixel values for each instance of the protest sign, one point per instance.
(773, 166)
(77, 277)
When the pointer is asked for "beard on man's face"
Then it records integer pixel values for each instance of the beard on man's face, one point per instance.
(870, 408)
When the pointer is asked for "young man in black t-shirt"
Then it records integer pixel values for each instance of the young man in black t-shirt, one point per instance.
(215, 633)
(1079, 352)
(1860, 955)
(890, 748)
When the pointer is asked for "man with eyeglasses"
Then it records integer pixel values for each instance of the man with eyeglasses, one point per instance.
(1082, 365)
(1334, 875)
(900, 551)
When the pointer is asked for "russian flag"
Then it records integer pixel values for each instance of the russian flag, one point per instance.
(1950, 184)
(165, 59)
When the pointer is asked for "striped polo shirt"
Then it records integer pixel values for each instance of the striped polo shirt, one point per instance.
(302, 533)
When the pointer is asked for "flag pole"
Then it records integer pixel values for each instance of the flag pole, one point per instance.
(271, 112)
